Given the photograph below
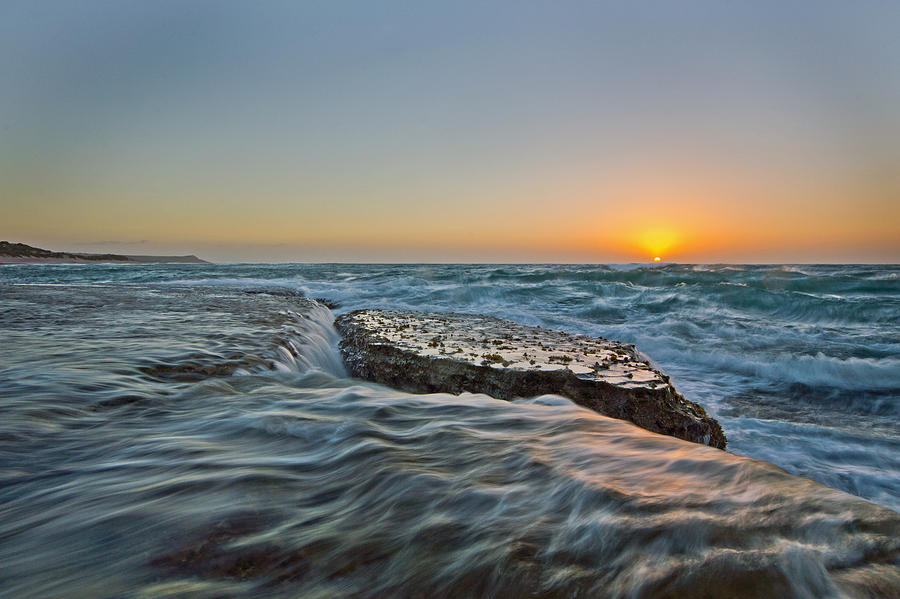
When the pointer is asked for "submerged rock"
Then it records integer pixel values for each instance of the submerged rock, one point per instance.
(452, 353)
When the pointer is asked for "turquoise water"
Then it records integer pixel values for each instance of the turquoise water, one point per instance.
(188, 430)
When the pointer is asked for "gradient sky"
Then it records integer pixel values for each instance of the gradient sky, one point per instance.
(715, 131)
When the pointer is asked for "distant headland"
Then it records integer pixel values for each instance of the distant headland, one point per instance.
(19, 253)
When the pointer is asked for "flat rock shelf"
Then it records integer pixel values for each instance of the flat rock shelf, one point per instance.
(424, 352)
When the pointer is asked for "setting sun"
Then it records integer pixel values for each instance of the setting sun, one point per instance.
(656, 241)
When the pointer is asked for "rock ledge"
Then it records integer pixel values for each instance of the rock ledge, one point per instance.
(452, 353)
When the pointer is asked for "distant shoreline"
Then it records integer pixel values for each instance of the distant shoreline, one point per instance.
(132, 260)
(19, 253)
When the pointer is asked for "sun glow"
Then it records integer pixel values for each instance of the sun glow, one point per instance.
(656, 241)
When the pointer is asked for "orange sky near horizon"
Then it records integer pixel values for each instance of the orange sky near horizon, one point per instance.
(678, 214)
(701, 210)
(678, 222)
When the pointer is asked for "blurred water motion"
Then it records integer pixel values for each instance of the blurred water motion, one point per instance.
(184, 439)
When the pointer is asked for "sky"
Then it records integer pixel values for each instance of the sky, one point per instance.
(696, 131)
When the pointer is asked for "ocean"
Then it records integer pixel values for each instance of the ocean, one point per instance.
(189, 431)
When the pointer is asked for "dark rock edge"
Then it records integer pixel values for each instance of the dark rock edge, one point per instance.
(662, 410)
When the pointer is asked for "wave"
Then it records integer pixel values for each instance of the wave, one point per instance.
(817, 371)
(319, 486)
(821, 370)
(823, 339)
(135, 463)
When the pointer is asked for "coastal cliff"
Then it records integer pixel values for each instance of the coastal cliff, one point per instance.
(20, 253)
(454, 353)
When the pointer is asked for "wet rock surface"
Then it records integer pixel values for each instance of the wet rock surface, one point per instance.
(454, 353)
